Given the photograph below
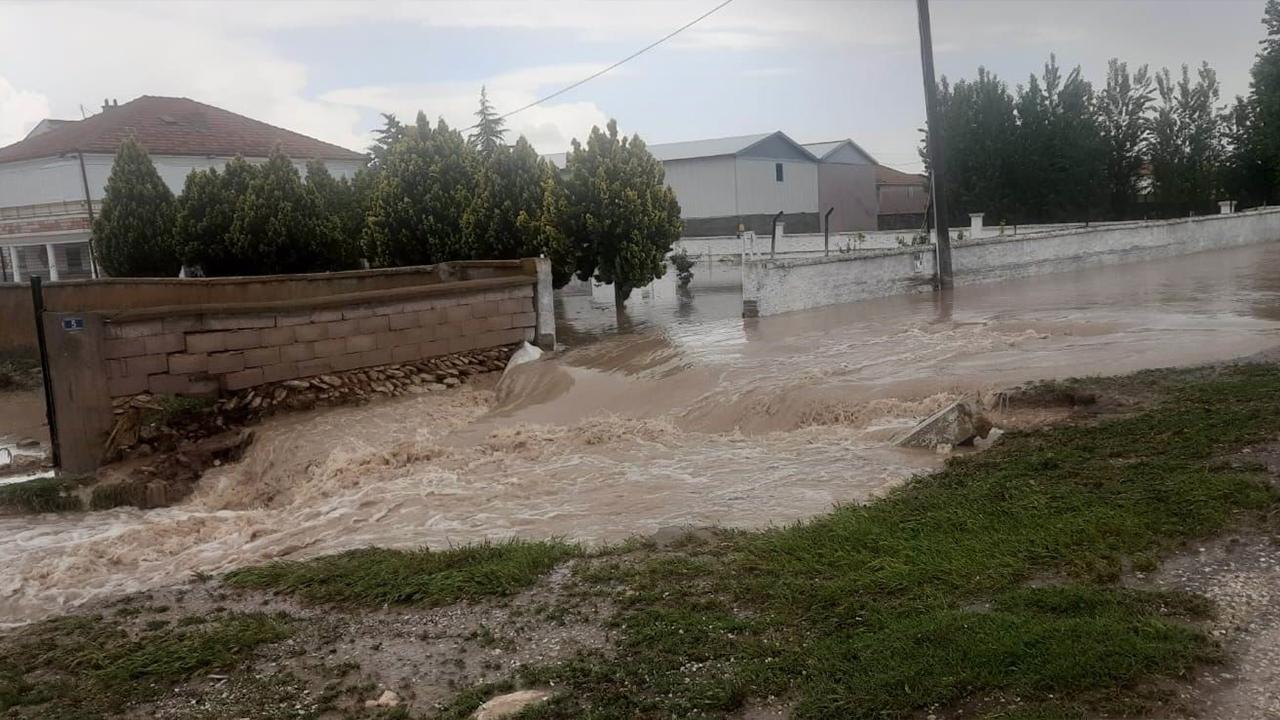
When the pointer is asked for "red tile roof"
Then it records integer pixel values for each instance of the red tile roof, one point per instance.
(889, 176)
(174, 126)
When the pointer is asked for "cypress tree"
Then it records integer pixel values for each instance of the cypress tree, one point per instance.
(622, 217)
(278, 226)
(422, 192)
(517, 209)
(133, 232)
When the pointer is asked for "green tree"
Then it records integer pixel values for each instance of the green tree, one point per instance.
(489, 134)
(622, 217)
(133, 231)
(391, 132)
(279, 226)
(206, 211)
(1248, 170)
(1059, 148)
(422, 192)
(979, 122)
(1186, 145)
(1265, 89)
(337, 199)
(1123, 115)
(518, 209)
(1251, 127)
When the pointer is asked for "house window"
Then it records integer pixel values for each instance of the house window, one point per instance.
(75, 260)
(777, 172)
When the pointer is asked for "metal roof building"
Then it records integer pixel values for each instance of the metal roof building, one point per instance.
(746, 180)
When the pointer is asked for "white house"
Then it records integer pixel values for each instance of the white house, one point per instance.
(52, 181)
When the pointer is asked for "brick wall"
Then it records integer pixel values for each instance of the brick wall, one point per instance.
(17, 324)
(205, 350)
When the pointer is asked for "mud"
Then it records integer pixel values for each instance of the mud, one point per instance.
(691, 416)
(1242, 576)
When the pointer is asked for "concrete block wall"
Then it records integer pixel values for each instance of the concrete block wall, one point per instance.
(776, 286)
(217, 350)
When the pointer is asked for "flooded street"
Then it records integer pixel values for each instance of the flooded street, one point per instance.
(691, 415)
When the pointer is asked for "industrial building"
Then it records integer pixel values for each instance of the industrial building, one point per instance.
(745, 181)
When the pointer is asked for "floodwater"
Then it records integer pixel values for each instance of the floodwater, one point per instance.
(688, 415)
(23, 435)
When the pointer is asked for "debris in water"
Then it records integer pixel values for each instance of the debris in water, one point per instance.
(526, 353)
(388, 698)
(957, 424)
(504, 706)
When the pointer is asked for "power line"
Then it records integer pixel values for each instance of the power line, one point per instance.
(628, 58)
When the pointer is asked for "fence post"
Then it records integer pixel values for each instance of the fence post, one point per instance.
(42, 346)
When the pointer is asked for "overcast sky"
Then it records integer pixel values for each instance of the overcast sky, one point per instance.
(816, 70)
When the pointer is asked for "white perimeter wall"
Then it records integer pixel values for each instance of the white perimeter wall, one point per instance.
(770, 287)
(47, 180)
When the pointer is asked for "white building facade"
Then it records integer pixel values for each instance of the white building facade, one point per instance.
(53, 181)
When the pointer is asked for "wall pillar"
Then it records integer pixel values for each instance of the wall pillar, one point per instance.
(17, 268)
(81, 400)
(544, 304)
(975, 224)
(53, 261)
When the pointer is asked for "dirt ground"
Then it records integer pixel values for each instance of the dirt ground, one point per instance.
(336, 660)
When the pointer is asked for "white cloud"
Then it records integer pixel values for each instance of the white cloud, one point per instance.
(20, 110)
(549, 126)
(768, 72)
(122, 52)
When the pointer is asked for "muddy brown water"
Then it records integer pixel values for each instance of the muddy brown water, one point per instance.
(689, 415)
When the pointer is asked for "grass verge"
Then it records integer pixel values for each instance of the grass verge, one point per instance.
(991, 584)
(426, 578)
(88, 667)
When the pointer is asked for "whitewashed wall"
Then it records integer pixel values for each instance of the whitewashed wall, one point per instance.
(770, 287)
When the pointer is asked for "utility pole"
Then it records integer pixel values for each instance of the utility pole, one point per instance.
(934, 147)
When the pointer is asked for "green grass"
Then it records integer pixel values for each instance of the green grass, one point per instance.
(178, 409)
(425, 578)
(992, 579)
(50, 494)
(87, 667)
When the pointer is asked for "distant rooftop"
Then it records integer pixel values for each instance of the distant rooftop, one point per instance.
(888, 176)
(688, 149)
(823, 149)
(171, 126)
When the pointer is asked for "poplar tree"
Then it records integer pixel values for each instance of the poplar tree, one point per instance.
(133, 231)
(622, 217)
(1123, 117)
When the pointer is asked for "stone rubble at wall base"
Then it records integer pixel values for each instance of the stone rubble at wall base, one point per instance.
(133, 437)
